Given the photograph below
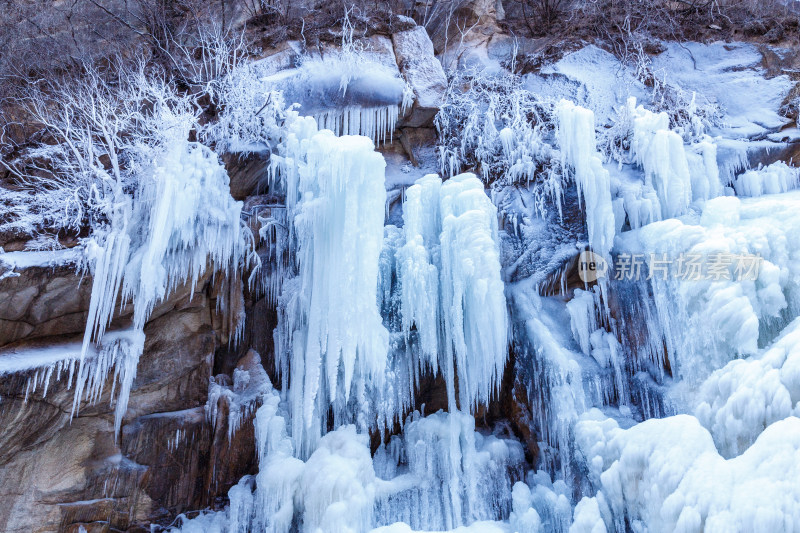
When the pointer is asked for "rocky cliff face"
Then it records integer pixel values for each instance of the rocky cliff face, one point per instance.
(59, 473)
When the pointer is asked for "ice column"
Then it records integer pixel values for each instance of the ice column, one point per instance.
(452, 243)
(332, 332)
(576, 137)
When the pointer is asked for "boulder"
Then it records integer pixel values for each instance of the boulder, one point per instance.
(423, 72)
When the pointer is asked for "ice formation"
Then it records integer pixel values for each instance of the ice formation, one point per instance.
(773, 179)
(332, 338)
(738, 278)
(451, 244)
(666, 475)
(368, 311)
(576, 137)
(181, 220)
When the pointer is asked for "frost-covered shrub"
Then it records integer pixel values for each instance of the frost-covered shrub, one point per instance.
(492, 125)
(250, 113)
(99, 132)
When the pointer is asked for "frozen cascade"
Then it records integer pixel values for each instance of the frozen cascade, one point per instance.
(366, 312)
(331, 337)
(773, 179)
(428, 488)
(180, 221)
(679, 174)
(729, 313)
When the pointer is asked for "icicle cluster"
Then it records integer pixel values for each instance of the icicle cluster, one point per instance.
(332, 337)
(449, 271)
(182, 220)
(576, 137)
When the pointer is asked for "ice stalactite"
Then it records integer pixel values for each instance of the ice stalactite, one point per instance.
(452, 244)
(679, 174)
(331, 334)
(181, 220)
(596, 342)
(427, 487)
(377, 123)
(576, 137)
(119, 350)
(773, 179)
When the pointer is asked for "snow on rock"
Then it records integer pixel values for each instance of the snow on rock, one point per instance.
(773, 179)
(423, 72)
(11, 261)
(590, 77)
(729, 75)
(352, 90)
(20, 359)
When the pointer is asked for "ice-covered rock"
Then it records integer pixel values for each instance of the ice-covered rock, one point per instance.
(731, 76)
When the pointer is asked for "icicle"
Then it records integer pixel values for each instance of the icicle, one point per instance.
(451, 232)
(576, 137)
(773, 179)
(331, 329)
(374, 122)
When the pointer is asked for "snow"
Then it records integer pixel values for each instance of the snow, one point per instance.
(592, 78)
(40, 259)
(423, 74)
(666, 475)
(739, 400)
(21, 359)
(729, 75)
